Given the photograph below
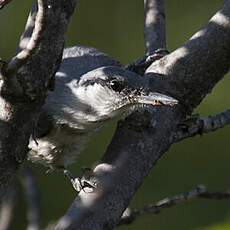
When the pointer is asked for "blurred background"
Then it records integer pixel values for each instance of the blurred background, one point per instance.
(116, 27)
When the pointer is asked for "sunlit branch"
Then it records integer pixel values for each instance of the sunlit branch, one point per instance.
(23, 56)
(154, 24)
(26, 36)
(154, 33)
(188, 74)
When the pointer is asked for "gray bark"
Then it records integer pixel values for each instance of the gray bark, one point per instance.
(188, 74)
(154, 30)
(155, 208)
(23, 86)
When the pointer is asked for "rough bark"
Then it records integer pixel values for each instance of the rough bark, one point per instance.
(24, 82)
(188, 74)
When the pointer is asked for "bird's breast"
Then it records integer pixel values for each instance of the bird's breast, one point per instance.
(59, 148)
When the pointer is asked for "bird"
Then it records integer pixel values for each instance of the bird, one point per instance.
(91, 89)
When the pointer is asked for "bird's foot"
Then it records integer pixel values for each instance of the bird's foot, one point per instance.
(140, 65)
(80, 183)
(189, 121)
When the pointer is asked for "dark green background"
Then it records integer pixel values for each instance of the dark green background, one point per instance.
(116, 27)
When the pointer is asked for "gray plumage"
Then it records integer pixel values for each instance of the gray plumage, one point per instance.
(90, 89)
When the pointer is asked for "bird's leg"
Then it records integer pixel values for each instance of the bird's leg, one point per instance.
(75, 181)
(79, 183)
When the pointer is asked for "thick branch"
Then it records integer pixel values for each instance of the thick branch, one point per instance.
(125, 164)
(198, 192)
(189, 74)
(23, 90)
(154, 30)
(191, 71)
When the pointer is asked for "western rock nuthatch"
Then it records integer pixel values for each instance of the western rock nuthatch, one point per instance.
(90, 90)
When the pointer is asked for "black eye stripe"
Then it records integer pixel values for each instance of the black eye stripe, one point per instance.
(94, 81)
(114, 84)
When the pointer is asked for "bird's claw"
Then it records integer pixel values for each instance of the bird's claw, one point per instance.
(79, 184)
(185, 124)
(140, 65)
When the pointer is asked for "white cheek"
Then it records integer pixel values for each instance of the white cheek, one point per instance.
(101, 99)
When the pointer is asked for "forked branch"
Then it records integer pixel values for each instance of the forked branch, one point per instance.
(188, 74)
(22, 93)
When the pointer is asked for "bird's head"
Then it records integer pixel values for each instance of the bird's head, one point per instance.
(110, 92)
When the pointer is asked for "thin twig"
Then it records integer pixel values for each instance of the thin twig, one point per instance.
(33, 200)
(196, 125)
(23, 56)
(154, 24)
(3, 3)
(7, 208)
(198, 192)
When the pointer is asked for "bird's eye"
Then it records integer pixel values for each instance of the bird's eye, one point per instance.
(117, 85)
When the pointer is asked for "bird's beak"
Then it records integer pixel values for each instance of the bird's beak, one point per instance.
(156, 99)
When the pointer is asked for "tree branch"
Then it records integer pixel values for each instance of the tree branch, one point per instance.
(33, 200)
(196, 125)
(30, 24)
(23, 56)
(7, 206)
(154, 31)
(3, 3)
(189, 73)
(206, 54)
(198, 192)
(23, 90)
(154, 26)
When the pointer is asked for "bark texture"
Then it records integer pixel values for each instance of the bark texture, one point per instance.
(188, 74)
(24, 82)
